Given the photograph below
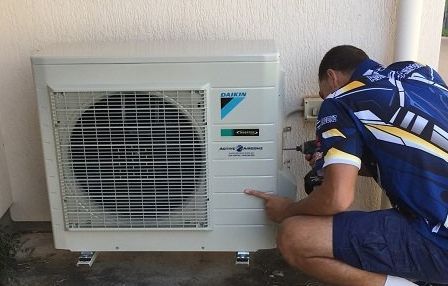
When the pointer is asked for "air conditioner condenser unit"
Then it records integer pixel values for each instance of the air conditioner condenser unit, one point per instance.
(149, 145)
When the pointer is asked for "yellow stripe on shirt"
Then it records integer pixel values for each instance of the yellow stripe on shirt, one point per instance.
(337, 156)
(350, 86)
(332, 133)
(412, 140)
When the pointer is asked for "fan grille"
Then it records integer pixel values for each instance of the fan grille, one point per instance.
(132, 159)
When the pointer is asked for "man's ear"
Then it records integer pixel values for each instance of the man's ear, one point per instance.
(333, 79)
(337, 79)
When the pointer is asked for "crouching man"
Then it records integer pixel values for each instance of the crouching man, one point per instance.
(394, 121)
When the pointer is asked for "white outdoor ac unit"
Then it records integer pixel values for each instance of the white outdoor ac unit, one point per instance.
(148, 146)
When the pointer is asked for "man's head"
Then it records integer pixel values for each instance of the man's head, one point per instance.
(337, 66)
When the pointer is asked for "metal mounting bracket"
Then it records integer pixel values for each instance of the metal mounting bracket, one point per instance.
(86, 258)
(242, 257)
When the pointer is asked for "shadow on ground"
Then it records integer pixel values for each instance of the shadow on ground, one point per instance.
(38, 263)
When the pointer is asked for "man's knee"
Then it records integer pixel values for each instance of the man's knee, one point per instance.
(300, 237)
(287, 236)
(291, 240)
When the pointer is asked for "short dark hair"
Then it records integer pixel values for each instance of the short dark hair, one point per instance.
(342, 58)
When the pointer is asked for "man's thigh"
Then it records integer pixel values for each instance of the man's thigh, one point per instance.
(385, 242)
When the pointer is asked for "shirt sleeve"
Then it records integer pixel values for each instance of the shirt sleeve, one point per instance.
(340, 140)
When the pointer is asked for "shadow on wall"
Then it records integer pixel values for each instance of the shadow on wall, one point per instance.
(445, 21)
(443, 61)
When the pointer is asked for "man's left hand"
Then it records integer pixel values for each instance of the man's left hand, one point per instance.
(276, 207)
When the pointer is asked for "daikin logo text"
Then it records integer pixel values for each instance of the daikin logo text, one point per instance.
(233, 94)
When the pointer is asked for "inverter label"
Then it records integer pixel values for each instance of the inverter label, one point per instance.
(240, 132)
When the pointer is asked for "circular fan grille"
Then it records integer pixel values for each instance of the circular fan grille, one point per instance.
(137, 155)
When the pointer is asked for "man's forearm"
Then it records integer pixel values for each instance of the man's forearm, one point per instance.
(317, 203)
(335, 195)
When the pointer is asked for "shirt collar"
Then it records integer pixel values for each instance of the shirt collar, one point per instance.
(359, 72)
(364, 66)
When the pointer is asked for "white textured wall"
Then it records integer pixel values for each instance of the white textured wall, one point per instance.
(303, 30)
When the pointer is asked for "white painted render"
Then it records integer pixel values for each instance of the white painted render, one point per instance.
(303, 31)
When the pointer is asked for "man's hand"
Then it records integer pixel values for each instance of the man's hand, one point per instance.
(313, 158)
(276, 207)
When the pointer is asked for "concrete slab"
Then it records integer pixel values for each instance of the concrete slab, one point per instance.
(38, 263)
(443, 60)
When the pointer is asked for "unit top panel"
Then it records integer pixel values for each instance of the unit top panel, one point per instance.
(158, 52)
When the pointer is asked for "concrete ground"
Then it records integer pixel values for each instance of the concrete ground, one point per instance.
(39, 264)
(443, 61)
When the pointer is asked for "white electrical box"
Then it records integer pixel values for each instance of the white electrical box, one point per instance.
(149, 145)
(312, 107)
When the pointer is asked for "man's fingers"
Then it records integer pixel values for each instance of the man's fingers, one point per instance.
(258, 194)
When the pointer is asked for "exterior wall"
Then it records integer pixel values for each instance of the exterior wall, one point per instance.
(303, 30)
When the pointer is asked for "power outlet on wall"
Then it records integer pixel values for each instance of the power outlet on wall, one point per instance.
(311, 107)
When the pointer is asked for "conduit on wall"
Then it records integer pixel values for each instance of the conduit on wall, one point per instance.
(407, 35)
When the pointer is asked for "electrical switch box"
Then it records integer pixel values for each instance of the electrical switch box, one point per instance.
(311, 107)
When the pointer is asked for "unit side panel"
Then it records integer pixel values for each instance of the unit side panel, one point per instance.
(243, 151)
(50, 159)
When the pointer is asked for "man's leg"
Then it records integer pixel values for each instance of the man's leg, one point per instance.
(306, 242)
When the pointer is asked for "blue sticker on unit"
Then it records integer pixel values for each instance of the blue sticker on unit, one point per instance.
(229, 100)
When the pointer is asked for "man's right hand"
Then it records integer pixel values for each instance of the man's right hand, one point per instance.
(276, 207)
(313, 158)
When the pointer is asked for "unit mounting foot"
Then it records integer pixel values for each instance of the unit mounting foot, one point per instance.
(86, 258)
(242, 257)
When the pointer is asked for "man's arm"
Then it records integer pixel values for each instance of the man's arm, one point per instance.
(335, 195)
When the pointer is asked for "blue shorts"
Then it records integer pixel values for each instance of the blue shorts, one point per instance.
(386, 242)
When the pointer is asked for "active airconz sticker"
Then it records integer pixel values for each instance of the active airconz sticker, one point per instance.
(229, 100)
(241, 150)
(240, 132)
